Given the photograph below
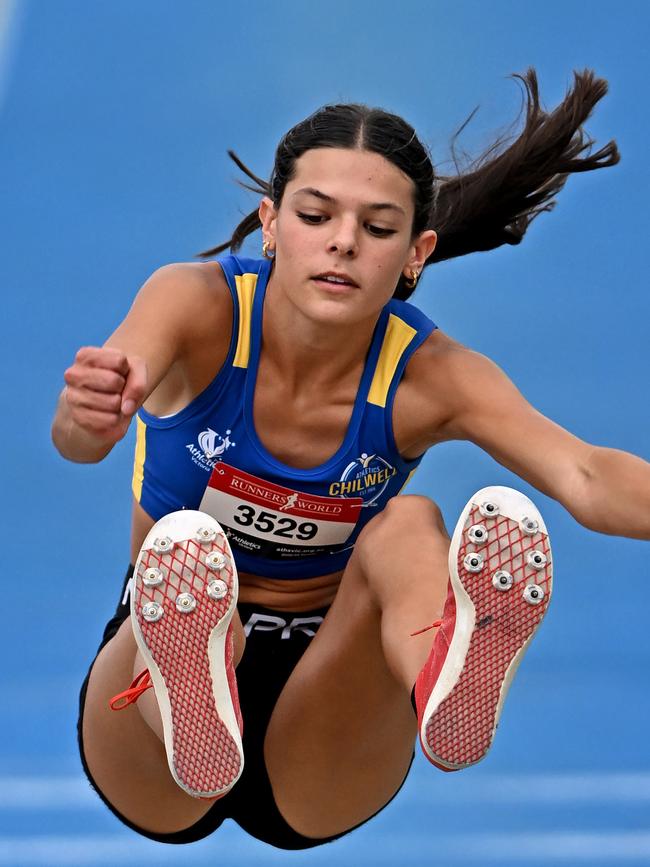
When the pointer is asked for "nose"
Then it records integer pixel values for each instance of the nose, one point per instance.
(344, 238)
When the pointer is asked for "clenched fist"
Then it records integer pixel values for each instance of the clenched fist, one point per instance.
(104, 388)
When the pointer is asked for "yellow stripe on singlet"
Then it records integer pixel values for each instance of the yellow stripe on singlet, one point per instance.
(396, 339)
(140, 455)
(246, 284)
(408, 479)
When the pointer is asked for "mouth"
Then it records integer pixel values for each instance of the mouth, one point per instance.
(335, 279)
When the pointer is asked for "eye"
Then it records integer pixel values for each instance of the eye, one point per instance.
(317, 219)
(314, 219)
(379, 232)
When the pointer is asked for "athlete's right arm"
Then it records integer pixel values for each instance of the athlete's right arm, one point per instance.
(106, 385)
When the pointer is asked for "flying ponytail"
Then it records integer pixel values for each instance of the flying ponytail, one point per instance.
(486, 204)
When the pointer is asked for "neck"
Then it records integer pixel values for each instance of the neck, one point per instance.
(308, 354)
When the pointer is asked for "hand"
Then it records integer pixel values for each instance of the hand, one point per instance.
(104, 388)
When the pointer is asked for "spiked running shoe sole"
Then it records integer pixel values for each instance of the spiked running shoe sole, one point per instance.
(183, 596)
(500, 587)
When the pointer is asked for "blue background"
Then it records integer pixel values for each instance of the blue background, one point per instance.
(114, 124)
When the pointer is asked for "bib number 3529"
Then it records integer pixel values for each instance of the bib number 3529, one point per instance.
(265, 519)
(272, 525)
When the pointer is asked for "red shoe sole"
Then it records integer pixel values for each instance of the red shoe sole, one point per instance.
(189, 655)
(492, 631)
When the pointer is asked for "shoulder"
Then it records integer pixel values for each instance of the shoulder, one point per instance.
(184, 298)
(436, 360)
(179, 281)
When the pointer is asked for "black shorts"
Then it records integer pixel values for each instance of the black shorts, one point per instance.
(275, 643)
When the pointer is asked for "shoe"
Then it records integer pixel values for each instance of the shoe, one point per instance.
(183, 596)
(500, 585)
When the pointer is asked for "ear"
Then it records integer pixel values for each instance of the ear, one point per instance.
(420, 250)
(268, 215)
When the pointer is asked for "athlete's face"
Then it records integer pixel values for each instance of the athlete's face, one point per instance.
(345, 211)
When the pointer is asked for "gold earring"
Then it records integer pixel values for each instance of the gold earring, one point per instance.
(267, 252)
(412, 283)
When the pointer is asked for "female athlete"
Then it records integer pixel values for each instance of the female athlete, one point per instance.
(281, 404)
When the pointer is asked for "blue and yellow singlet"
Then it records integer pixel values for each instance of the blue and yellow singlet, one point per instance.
(281, 522)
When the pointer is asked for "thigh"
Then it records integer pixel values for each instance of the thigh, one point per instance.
(340, 740)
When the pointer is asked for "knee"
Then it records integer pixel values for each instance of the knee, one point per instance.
(412, 512)
(405, 518)
(410, 530)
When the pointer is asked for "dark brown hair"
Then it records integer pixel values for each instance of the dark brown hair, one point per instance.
(489, 202)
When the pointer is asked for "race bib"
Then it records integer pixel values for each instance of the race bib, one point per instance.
(278, 523)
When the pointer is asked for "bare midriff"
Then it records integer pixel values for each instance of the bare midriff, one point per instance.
(303, 594)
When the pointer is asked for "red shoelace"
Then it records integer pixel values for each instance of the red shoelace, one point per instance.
(427, 628)
(141, 684)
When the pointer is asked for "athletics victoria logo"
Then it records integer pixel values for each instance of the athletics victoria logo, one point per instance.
(211, 445)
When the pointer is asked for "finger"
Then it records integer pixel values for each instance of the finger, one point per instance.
(85, 398)
(136, 385)
(102, 423)
(95, 378)
(103, 356)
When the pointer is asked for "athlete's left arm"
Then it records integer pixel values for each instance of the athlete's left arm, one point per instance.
(605, 489)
